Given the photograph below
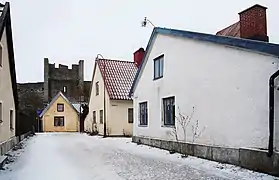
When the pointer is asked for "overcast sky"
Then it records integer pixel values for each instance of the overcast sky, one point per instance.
(66, 31)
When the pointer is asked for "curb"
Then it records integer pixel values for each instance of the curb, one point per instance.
(3, 159)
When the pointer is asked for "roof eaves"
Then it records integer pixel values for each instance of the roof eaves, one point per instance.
(50, 104)
(5, 21)
(103, 76)
(67, 100)
(94, 70)
(263, 47)
(54, 99)
(154, 32)
(260, 46)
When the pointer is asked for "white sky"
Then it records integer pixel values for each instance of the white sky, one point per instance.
(66, 31)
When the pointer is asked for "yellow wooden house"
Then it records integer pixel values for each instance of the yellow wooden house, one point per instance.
(60, 115)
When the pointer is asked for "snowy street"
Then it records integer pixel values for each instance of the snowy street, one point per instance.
(74, 156)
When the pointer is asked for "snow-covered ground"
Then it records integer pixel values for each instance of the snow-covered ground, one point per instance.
(74, 156)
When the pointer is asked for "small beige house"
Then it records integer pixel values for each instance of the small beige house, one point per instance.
(60, 115)
(109, 103)
(8, 86)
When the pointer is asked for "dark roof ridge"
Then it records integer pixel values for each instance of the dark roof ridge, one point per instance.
(225, 40)
(252, 45)
(116, 60)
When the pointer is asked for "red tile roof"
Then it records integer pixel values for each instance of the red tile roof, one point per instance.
(233, 30)
(119, 76)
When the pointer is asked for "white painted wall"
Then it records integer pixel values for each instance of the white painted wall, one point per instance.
(227, 86)
(117, 110)
(6, 93)
(97, 103)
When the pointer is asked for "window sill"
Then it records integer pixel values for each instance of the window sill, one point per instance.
(168, 126)
(154, 79)
(142, 125)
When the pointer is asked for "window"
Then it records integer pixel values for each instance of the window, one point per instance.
(1, 56)
(60, 107)
(143, 113)
(64, 89)
(11, 119)
(97, 88)
(59, 121)
(169, 111)
(101, 117)
(94, 117)
(158, 67)
(1, 112)
(130, 115)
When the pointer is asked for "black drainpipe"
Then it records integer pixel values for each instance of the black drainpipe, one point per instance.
(271, 112)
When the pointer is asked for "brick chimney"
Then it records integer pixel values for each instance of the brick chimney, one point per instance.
(138, 56)
(253, 23)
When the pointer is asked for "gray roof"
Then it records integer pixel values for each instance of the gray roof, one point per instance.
(253, 45)
(74, 106)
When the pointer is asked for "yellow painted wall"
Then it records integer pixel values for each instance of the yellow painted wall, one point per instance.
(6, 94)
(116, 111)
(71, 118)
(118, 121)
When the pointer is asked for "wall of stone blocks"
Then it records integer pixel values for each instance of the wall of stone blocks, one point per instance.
(9, 144)
(252, 159)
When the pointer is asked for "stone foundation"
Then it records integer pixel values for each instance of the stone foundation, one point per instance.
(252, 159)
(9, 144)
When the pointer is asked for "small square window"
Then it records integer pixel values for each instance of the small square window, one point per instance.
(60, 107)
(169, 111)
(130, 115)
(59, 121)
(158, 67)
(143, 114)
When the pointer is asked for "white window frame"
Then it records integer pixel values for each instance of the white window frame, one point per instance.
(158, 69)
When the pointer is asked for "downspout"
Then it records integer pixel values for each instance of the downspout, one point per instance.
(271, 112)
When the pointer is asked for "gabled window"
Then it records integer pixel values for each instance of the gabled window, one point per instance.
(59, 121)
(158, 67)
(101, 117)
(169, 111)
(94, 117)
(97, 88)
(60, 107)
(130, 115)
(11, 119)
(143, 114)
